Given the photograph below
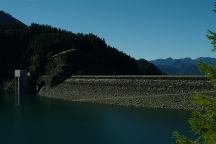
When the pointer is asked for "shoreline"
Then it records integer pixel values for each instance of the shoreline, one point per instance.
(114, 105)
(153, 102)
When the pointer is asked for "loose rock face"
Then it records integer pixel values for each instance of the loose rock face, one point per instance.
(140, 92)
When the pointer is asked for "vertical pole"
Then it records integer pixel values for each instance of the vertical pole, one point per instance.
(21, 85)
(18, 91)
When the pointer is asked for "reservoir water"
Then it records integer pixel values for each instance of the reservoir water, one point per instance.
(51, 121)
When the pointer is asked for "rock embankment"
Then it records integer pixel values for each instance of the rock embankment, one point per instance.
(139, 91)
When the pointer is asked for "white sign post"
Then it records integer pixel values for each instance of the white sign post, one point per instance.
(21, 84)
(17, 86)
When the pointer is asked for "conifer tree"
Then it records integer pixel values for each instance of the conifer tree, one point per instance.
(203, 120)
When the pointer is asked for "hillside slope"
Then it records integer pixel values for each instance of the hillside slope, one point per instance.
(7, 19)
(45, 50)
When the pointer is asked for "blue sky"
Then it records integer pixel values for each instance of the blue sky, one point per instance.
(149, 29)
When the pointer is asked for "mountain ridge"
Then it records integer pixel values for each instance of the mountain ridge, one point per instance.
(183, 66)
(7, 19)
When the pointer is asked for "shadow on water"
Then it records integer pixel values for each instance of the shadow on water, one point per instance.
(44, 120)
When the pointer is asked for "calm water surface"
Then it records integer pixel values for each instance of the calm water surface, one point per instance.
(60, 122)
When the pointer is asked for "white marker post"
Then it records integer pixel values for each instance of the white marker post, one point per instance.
(17, 86)
(21, 84)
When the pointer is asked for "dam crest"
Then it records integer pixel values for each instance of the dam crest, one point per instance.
(172, 92)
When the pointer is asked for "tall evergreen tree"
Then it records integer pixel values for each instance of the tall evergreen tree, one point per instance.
(203, 120)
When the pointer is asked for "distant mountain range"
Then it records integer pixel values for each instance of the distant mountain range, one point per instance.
(184, 66)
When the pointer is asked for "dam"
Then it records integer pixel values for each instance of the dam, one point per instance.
(172, 92)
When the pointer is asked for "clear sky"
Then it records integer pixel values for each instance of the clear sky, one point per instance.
(149, 29)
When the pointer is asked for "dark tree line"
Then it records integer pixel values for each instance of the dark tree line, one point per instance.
(33, 48)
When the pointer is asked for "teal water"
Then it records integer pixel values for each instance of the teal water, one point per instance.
(47, 121)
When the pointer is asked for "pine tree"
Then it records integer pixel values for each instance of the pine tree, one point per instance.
(203, 120)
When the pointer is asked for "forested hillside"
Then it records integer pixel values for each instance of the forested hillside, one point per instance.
(45, 50)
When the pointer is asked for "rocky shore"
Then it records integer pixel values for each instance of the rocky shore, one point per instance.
(154, 92)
